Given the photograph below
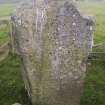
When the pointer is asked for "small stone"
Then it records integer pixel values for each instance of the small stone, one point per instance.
(17, 104)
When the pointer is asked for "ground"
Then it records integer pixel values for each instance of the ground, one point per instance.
(6, 9)
(3, 34)
(96, 10)
(11, 84)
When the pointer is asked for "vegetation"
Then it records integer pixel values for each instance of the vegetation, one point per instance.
(3, 34)
(11, 84)
(6, 9)
(94, 87)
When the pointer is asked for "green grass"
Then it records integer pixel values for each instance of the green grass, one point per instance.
(4, 36)
(94, 87)
(6, 9)
(11, 84)
(12, 87)
(10, 81)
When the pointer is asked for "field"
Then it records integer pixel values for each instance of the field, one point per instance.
(3, 34)
(6, 9)
(11, 84)
(96, 10)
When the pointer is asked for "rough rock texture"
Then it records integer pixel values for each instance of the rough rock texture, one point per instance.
(53, 40)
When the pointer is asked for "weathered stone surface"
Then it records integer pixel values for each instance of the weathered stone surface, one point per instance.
(54, 41)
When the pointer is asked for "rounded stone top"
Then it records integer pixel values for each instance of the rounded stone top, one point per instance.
(27, 11)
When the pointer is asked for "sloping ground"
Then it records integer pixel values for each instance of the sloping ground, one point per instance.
(11, 84)
(4, 50)
(94, 87)
(12, 87)
(4, 37)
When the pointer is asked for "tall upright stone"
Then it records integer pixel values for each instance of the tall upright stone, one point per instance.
(53, 40)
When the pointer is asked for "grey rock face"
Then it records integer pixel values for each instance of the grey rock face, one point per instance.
(53, 40)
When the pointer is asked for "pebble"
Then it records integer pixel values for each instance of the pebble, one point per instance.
(17, 104)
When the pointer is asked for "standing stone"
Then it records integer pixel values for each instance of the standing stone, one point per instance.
(53, 40)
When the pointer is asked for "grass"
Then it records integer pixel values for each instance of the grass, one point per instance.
(12, 87)
(10, 81)
(6, 9)
(11, 84)
(3, 34)
(94, 87)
